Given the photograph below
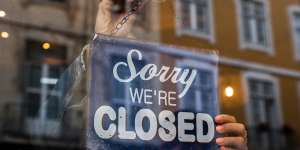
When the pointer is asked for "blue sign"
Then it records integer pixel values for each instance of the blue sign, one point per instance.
(151, 97)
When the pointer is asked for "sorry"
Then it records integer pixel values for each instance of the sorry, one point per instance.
(150, 71)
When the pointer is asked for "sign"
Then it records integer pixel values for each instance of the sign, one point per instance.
(152, 97)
